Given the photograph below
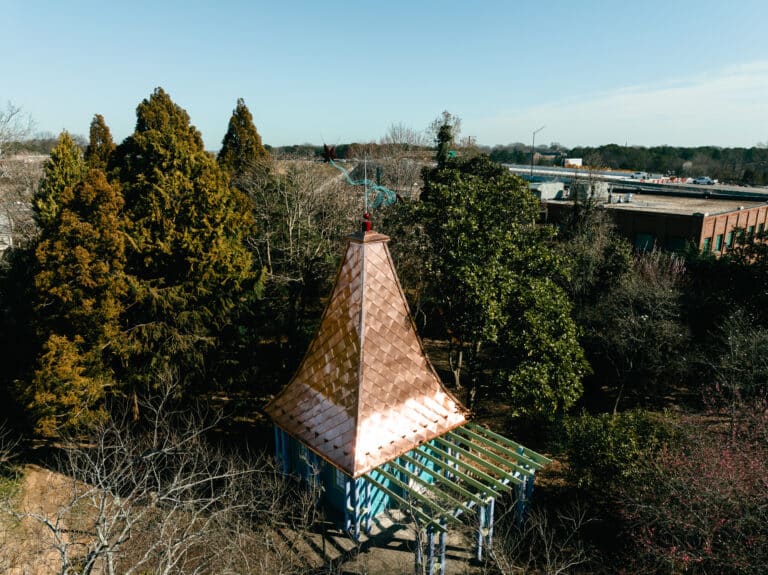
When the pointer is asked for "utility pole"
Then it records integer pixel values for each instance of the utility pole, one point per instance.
(533, 146)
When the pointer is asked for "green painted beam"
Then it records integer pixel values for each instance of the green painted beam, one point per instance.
(443, 480)
(503, 473)
(425, 519)
(509, 452)
(541, 459)
(416, 495)
(484, 488)
(431, 487)
(477, 459)
(490, 454)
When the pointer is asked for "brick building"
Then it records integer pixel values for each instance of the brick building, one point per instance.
(672, 222)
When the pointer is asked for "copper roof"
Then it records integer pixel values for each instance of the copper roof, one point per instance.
(365, 392)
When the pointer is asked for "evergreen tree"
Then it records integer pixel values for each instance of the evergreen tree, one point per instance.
(100, 145)
(495, 282)
(187, 265)
(80, 287)
(242, 150)
(64, 169)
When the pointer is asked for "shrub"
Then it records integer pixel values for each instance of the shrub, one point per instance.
(699, 508)
(605, 450)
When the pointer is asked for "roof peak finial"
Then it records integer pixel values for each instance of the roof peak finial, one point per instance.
(366, 224)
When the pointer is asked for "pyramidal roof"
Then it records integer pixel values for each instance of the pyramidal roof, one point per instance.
(365, 392)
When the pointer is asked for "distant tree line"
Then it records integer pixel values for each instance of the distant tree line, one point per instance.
(747, 166)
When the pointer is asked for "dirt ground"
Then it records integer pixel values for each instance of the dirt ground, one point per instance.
(26, 546)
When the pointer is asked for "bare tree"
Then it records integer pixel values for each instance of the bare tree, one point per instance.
(541, 543)
(160, 498)
(14, 126)
(20, 175)
(444, 119)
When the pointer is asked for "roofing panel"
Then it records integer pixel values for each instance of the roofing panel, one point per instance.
(365, 392)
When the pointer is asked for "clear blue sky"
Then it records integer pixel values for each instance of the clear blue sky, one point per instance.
(641, 72)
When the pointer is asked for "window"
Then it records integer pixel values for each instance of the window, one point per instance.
(729, 240)
(707, 245)
(751, 230)
(760, 228)
(719, 242)
(339, 479)
(644, 242)
(676, 244)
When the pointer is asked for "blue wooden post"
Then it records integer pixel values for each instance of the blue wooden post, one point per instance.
(356, 508)
(489, 520)
(443, 540)
(522, 493)
(279, 451)
(369, 508)
(347, 505)
(417, 555)
(430, 551)
(480, 527)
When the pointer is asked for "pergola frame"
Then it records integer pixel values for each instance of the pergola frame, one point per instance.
(459, 473)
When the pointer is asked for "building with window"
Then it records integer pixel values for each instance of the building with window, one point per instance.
(674, 222)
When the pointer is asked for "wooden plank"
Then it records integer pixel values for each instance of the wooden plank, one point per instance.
(541, 459)
(425, 519)
(491, 491)
(443, 480)
(433, 489)
(416, 495)
(477, 459)
(490, 454)
(512, 453)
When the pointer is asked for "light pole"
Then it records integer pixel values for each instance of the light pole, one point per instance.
(533, 146)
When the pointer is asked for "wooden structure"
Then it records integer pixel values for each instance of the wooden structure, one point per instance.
(367, 416)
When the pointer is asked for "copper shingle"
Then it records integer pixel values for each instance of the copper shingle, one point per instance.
(365, 392)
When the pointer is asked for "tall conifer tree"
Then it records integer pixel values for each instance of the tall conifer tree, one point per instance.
(187, 263)
(80, 286)
(64, 169)
(242, 150)
(100, 144)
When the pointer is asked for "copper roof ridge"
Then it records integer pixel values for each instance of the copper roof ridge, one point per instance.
(361, 335)
(431, 367)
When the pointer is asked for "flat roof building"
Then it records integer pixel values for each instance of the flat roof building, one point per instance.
(674, 222)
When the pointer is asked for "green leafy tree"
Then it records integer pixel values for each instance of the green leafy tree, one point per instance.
(242, 150)
(80, 287)
(186, 261)
(490, 266)
(64, 169)
(100, 144)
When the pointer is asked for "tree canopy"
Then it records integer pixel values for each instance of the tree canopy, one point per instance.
(64, 169)
(186, 261)
(241, 149)
(496, 279)
(100, 144)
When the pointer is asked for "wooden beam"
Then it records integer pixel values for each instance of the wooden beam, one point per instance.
(431, 487)
(445, 480)
(425, 519)
(490, 454)
(477, 459)
(484, 488)
(529, 453)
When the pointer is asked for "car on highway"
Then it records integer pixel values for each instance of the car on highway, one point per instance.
(703, 180)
